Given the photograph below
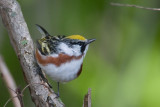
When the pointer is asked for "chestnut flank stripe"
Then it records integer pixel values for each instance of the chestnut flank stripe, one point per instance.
(62, 58)
(80, 70)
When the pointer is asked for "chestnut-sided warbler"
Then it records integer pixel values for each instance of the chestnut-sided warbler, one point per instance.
(61, 57)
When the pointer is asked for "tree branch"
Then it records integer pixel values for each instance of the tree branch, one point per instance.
(87, 99)
(23, 45)
(9, 82)
(136, 6)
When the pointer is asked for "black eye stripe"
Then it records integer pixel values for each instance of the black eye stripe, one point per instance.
(77, 43)
(83, 48)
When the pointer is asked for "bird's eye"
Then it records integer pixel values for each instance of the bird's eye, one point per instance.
(76, 43)
(73, 43)
(80, 43)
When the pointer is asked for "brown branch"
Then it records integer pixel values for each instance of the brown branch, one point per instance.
(87, 99)
(9, 82)
(136, 6)
(23, 45)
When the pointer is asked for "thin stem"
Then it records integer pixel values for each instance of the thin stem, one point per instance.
(9, 100)
(9, 81)
(32, 84)
(136, 6)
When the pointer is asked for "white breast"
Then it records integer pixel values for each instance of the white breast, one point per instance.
(65, 72)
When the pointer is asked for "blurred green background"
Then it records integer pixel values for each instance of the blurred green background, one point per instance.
(122, 67)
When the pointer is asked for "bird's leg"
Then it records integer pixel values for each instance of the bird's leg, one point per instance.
(58, 89)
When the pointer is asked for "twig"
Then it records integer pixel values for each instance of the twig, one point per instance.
(22, 43)
(9, 82)
(9, 100)
(32, 84)
(20, 93)
(87, 99)
(136, 6)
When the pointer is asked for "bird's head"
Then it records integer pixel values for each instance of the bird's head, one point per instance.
(78, 43)
(73, 45)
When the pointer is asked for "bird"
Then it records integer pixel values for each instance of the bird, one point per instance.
(61, 57)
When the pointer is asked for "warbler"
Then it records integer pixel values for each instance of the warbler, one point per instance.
(61, 57)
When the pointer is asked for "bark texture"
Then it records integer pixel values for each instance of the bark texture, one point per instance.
(23, 45)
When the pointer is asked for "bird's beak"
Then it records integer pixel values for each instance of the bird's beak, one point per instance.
(90, 41)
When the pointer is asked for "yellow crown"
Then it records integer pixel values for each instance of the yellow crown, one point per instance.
(79, 37)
